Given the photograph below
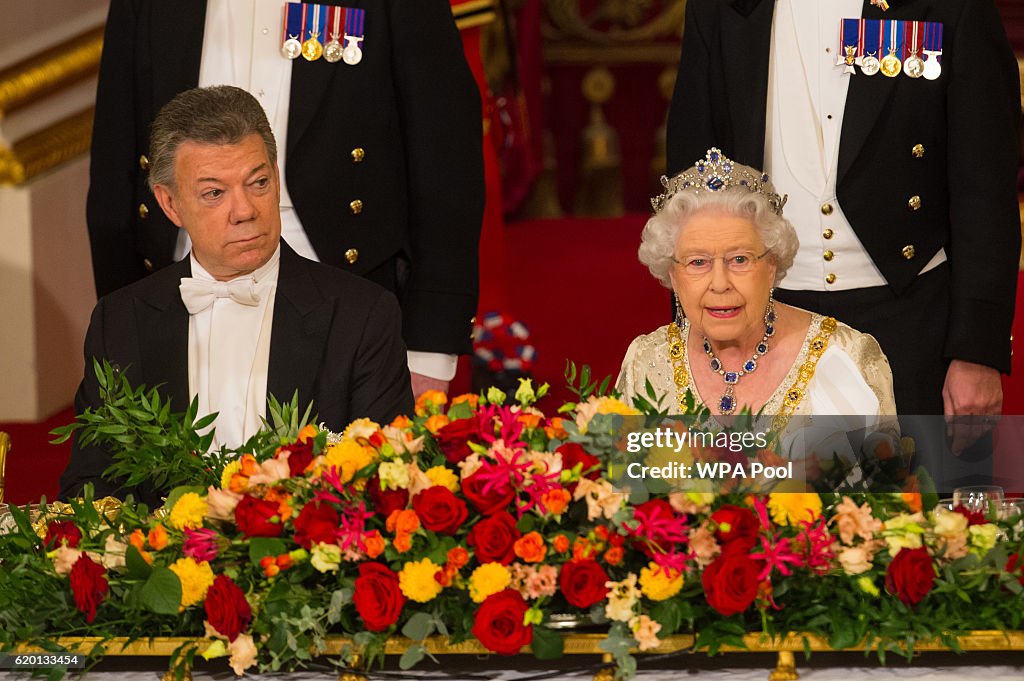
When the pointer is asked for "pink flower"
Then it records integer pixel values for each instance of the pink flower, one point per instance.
(243, 653)
(221, 504)
(64, 557)
(852, 521)
(645, 631)
(778, 556)
(542, 582)
(703, 544)
(271, 472)
(200, 544)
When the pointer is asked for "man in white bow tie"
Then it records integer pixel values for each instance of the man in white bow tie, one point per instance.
(242, 316)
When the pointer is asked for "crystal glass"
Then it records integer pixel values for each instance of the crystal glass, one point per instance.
(987, 499)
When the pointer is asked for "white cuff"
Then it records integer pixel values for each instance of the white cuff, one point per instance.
(433, 364)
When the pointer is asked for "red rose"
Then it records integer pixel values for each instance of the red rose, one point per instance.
(496, 499)
(1015, 564)
(377, 598)
(252, 516)
(583, 582)
(910, 575)
(737, 528)
(499, 623)
(730, 583)
(88, 585)
(386, 500)
(439, 510)
(973, 517)
(301, 456)
(317, 522)
(62, 531)
(573, 454)
(493, 538)
(453, 439)
(226, 608)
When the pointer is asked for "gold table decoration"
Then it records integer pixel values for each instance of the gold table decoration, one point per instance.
(575, 644)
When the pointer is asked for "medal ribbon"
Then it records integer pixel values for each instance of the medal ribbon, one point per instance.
(894, 37)
(335, 16)
(293, 21)
(303, 31)
(933, 36)
(860, 39)
(319, 18)
(849, 38)
(916, 39)
(354, 19)
(873, 38)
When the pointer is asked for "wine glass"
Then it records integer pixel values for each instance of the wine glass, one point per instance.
(979, 498)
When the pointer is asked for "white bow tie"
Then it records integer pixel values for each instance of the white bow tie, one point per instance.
(199, 294)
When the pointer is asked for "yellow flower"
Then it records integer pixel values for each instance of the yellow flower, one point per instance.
(489, 578)
(416, 580)
(195, 578)
(229, 470)
(360, 428)
(658, 583)
(189, 511)
(348, 456)
(611, 405)
(445, 477)
(791, 508)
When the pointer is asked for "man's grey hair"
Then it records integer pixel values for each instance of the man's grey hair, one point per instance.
(658, 242)
(222, 114)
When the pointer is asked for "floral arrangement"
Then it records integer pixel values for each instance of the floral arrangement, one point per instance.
(481, 517)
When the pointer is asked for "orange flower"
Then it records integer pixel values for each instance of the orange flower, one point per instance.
(240, 481)
(402, 543)
(308, 431)
(458, 557)
(530, 547)
(403, 521)
(436, 423)
(554, 429)
(472, 399)
(158, 538)
(530, 420)
(582, 549)
(377, 439)
(430, 402)
(601, 532)
(374, 544)
(284, 509)
(137, 539)
(270, 566)
(912, 496)
(401, 422)
(561, 543)
(614, 555)
(284, 561)
(556, 500)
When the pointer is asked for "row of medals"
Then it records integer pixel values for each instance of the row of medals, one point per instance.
(333, 52)
(890, 65)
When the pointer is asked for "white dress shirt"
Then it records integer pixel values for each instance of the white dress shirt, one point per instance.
(806, 103)
(242, 47)
(229, 356)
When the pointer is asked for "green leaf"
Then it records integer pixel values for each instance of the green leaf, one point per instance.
(162, 592)
(265, 546)
(412, 655)
(669, 615)
(419, 626)
(137, 566)
(547, 644)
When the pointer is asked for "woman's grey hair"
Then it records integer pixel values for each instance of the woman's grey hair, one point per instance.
(222, 114)
(657, 244)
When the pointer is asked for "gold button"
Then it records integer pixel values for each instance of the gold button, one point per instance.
(826, 209)
(356, 207)
(358, 154)
(144, 162)
(918, 151)
(908, 251)
(828, 255)
(143, 211)
(148, 264)
(352, 255)
(914, 203)
(827, 234)
(830, 278)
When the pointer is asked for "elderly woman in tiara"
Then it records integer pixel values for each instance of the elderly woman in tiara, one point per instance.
(719, 241)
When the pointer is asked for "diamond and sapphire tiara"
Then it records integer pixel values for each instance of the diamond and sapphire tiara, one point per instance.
(714, 173)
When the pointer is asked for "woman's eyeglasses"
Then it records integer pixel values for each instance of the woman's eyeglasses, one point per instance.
(699, 265)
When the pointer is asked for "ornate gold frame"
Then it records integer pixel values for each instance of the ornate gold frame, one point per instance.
(575, 644)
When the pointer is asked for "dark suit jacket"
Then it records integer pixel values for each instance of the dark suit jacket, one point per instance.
(335, 338)
(411, 104)
(966, 119)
